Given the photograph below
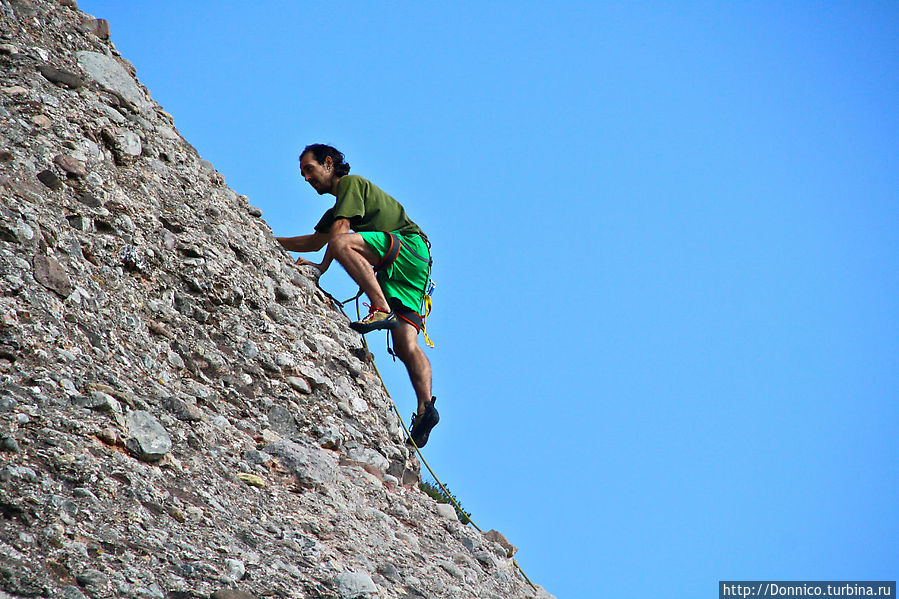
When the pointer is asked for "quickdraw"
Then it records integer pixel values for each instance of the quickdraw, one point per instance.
(426, 303)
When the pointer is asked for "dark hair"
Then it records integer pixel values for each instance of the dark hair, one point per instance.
(322, 151)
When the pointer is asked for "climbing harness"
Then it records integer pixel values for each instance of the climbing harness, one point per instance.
(392, 253)
(418, 320)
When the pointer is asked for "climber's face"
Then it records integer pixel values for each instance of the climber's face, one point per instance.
(319, 176)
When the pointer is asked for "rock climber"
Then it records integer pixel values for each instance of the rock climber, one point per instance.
(388, 256)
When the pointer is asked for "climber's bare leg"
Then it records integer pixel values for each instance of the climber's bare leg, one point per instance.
(405, 344)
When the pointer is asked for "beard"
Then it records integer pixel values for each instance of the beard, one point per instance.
(322, 187)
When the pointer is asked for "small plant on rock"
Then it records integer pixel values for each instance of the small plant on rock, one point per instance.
(437, 494)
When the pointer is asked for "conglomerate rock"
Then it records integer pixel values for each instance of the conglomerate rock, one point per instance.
(182, 411)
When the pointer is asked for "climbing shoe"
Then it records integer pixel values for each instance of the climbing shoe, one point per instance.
(422, 425)
(376, 320)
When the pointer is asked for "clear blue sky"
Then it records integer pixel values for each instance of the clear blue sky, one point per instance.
(667, 252)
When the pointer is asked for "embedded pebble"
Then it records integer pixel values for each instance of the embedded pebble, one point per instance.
(149, 439)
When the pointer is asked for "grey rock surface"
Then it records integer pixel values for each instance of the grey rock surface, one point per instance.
(447, 511)
(497, 537)
(355, 585)
(183, 412)
(113, 76)
(311, 465)
(368, 456)
(64, 78)
(149, 439)
(49, 273)
(231, 594)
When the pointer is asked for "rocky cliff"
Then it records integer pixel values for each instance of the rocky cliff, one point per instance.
(182, 411)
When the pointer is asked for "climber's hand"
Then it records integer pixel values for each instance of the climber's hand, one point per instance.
(303, 262)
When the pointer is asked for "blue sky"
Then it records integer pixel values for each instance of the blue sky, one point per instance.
(667, 252)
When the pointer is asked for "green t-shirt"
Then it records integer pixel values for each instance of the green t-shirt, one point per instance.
(367, 208)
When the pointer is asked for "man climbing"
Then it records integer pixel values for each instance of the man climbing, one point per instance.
(388, 256)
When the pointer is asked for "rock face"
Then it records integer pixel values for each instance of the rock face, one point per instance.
(182, 411)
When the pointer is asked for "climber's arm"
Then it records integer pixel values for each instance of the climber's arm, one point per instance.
(304, 243)
(315, 242)
(341, 226)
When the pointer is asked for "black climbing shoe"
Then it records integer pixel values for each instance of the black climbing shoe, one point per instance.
(422, 425)
(376, 320)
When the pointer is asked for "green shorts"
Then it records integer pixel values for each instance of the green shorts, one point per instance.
(403, 282)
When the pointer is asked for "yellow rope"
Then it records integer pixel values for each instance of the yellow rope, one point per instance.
(409, 435)
(428, 466)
